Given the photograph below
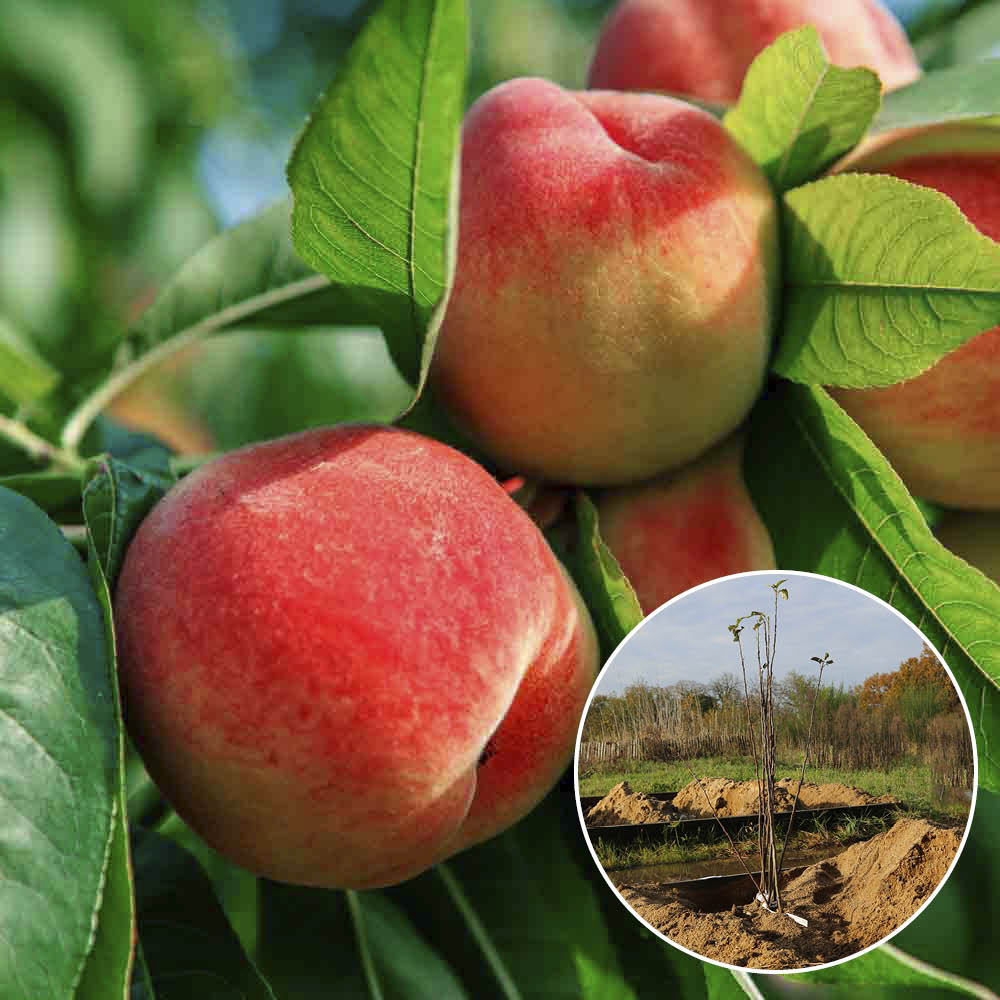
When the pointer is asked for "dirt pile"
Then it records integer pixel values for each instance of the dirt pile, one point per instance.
(850, 901)
(622, 805)
(739, 798)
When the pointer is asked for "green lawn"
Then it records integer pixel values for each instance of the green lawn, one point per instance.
(678, 848)
(909, 781)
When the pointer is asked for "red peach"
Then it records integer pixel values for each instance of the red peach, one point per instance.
(703, 48)
(347, 654)
(941, 429)
(685, 528)
(612, 308)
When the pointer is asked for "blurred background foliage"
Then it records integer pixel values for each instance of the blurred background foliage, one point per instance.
(132, 132)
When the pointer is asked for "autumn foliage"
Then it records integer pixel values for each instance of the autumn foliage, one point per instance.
(918, 672)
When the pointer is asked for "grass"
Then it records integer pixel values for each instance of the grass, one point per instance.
(909, 781)
(678, 848)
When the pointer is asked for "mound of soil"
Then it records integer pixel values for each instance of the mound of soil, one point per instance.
(739, 798)
(622, 805)
(851, 901)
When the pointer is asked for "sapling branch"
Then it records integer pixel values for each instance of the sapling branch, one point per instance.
(805, 756)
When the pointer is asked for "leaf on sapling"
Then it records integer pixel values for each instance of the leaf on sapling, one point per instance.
(797, 113)
(958, 93)
(882, 279)
(605, 588)
(374, 174)
(25, 376)
(864, 528)
(61, 776)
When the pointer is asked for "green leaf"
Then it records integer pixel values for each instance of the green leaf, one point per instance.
(944, 95)
(249, 274)
(188, 945)
(605, 588)
(374, 174)
(110, 962)
(518, 918)
(723, 984)
(116, 498)
(25, 375)
(287, 381)
(237, 889)
(51, 490)
(59, 775)
(864, 528)
(883, 278)
(797, 113)
(319, 943)
(886, 970)
(139, 449)
(77, 56)
(968, 905)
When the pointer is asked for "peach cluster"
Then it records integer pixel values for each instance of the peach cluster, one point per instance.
(349, 653)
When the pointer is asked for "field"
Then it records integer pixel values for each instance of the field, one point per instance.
(909, 780)
(900, 855)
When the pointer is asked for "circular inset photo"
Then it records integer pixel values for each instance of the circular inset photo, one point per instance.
(775, 771)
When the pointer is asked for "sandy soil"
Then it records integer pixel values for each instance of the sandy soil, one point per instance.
(850, 901)
(622, 805)
(739, 798)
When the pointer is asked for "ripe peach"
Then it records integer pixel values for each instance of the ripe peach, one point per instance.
(941, 429)
(703, 48)
(347, 654)
(685, 528)
(975, 536)
(612, 307)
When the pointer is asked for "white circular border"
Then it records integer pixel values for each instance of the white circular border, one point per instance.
(777, 574)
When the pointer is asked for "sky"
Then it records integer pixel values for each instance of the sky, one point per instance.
(688, 639)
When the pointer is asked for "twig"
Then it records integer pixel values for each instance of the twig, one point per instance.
(38, 448)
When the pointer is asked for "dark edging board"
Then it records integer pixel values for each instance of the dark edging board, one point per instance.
(665, 832)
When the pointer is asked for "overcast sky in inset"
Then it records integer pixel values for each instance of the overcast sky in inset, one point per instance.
(688, 640)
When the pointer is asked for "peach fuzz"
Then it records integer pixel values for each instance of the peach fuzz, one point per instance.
(941, 429)
(685, 528)
(347, 654)
(612, 308)
(703, 48)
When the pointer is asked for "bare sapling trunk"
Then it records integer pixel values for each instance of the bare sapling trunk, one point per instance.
(825, 661)
(765, 760)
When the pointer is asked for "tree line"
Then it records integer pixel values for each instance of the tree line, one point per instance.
(912, 710)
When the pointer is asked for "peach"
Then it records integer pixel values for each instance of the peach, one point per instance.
(975, 536)
(612, 308)
(703, 48)
(685, 528)
(941, 429)
(347, 654)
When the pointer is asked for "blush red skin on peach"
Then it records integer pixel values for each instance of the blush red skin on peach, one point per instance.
(703, 48)
(611, 313)
(685, 528)
(941, 430)
(319, 636)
